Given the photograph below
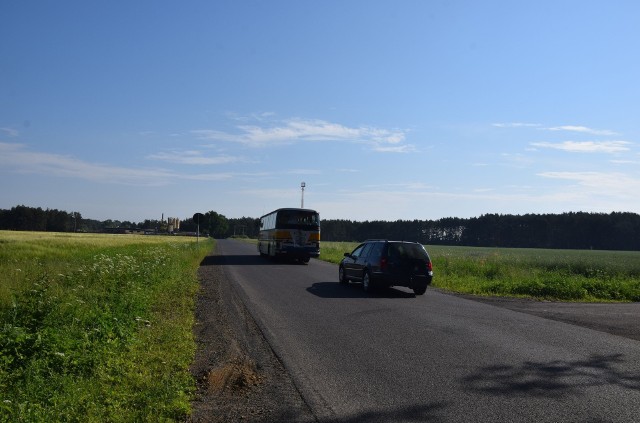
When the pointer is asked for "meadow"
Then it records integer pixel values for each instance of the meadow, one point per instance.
(561, 275)
(97, 327)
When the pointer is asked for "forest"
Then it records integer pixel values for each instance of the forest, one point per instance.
(573, 230)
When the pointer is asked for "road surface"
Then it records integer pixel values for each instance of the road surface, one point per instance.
(393, 356)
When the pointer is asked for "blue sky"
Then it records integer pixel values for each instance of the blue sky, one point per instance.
(385, 109)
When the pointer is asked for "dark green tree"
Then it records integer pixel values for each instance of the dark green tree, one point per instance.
(216, 224)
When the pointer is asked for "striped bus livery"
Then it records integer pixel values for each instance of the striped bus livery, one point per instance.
(291, 233)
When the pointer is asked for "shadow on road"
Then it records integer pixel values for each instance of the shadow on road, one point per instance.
(414, 413)
(243, 260)
(552, 379)
(354, 290)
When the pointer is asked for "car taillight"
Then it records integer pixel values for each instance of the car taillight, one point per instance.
(383, 263)
(429, 266)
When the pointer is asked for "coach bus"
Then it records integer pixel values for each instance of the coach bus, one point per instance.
(290, 233)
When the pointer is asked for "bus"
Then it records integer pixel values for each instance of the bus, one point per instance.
(290, 233)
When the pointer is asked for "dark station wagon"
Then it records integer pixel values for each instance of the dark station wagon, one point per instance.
(384, 263)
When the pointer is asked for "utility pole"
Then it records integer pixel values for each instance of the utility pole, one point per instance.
(197, 217)
(302, 185)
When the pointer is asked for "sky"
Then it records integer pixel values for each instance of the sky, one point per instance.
(386, 110)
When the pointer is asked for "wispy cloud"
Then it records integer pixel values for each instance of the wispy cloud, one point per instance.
(625, 162)
(10, 131)
(582, 129)
(516, 125)
(564, 128)
(608, 147)
(405, 148)
(18, 158)
(303, 172)
(290, 131)
(601, 183)
(192, 158)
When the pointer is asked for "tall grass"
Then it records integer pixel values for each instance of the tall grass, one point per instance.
(96, 327)
(567, 275)
(333, 252)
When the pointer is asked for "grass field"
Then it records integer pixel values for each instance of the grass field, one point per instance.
(96, 327)
(565, 275)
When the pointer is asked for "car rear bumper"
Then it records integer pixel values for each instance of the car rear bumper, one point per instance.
(413, 281)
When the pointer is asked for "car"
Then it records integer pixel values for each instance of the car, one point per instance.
(384, 263)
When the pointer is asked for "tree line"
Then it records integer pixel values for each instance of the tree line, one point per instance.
(575, 230)
(23, 218)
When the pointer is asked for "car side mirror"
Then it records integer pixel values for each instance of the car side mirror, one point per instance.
(347, 255)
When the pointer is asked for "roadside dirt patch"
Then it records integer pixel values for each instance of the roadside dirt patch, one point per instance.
(239, 377)
(239, 374)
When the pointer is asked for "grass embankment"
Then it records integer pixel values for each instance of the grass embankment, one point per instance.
(96, 327)
(564, 275)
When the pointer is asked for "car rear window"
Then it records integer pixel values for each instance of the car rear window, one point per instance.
(405, 250)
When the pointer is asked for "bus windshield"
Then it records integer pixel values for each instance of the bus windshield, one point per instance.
(294, 219)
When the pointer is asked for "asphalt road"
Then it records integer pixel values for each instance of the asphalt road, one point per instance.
(392, 356)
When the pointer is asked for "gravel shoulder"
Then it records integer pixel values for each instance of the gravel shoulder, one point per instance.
(240, 378)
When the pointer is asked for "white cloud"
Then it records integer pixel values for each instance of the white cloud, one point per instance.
(567, 128)
(406, 148)
(303, 172)
(17, 158)
(623, 162)
(516, 125)
(609, 147)
(402, 186)
(192, 158)
(296, 130)
(582, 129)
(10, 131)
(612, 184)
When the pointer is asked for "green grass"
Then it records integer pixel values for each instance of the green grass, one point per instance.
(564, 275)
(96, 327)
(333, 252)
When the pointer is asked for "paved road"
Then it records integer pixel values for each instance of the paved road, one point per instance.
(392, 356)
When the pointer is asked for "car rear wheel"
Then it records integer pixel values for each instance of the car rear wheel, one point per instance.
(342, 278)
(419, 290)
(367, 284)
